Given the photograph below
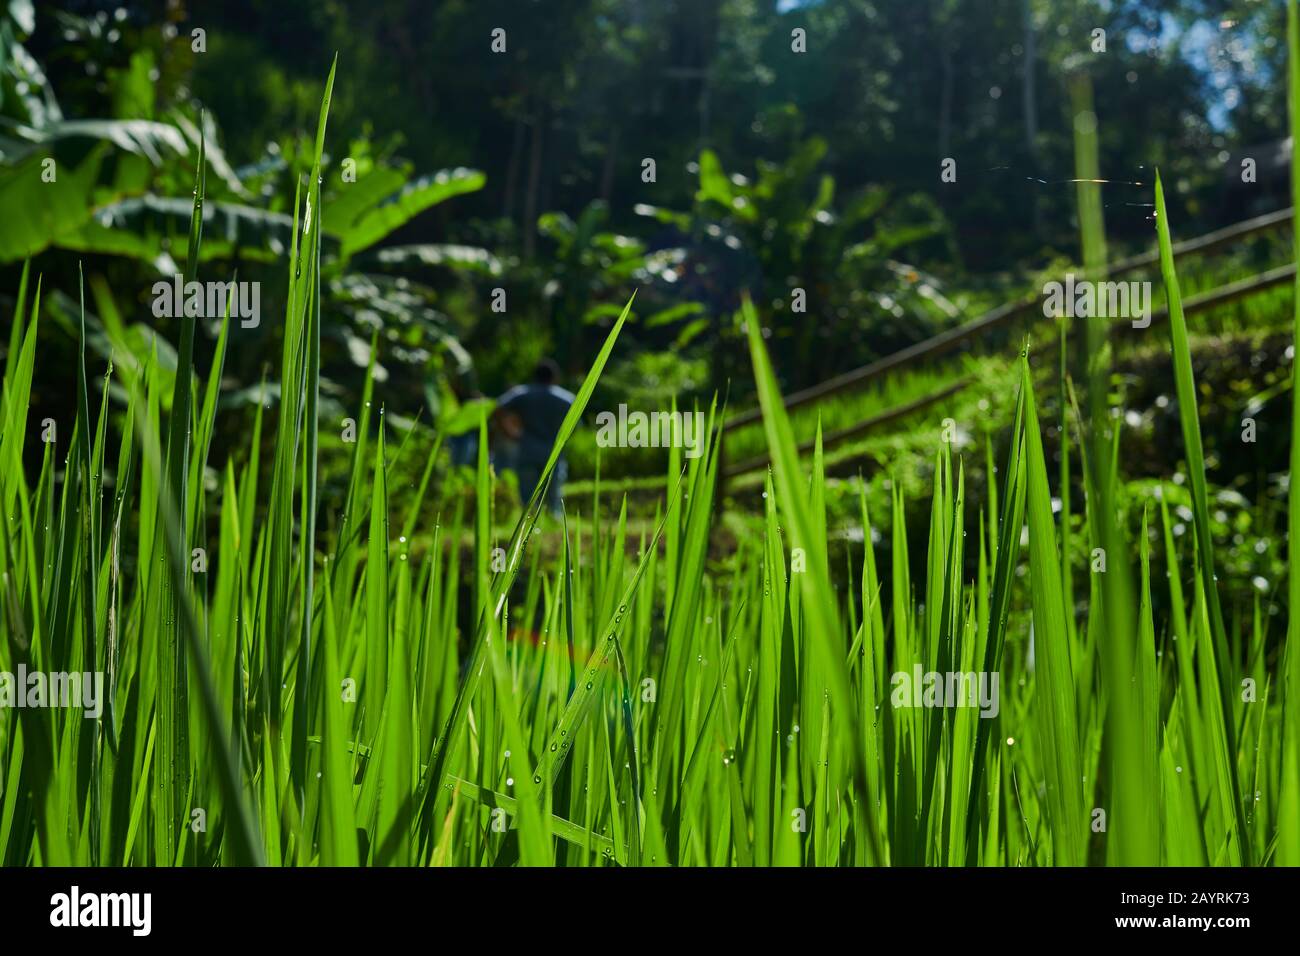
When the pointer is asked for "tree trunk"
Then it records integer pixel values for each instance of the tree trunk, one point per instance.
(1031, 109)
(945, 96)
(512, 168)
(607, 175)
(534, 180)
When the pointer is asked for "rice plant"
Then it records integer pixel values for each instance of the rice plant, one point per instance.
(286, 686)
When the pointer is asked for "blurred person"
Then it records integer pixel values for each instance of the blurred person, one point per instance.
(528, 418)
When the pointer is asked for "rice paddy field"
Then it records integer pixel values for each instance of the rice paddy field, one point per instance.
(425, 676)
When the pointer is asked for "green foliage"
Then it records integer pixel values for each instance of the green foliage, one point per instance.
(394, 672)
(722, 717)
(784, 231)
